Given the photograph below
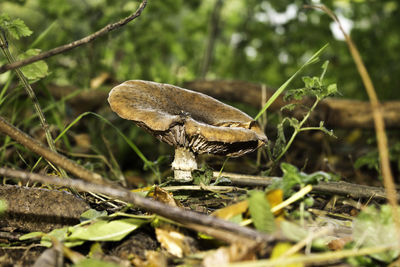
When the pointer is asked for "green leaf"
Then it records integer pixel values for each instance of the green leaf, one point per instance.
(95, 262)
(309, 82)
(260, 211)
(372, 227)
(296, 94)
(31, 235)
(370, 160)
(15, 27)
(105, 230)
(58, 234)
(36, 70)
(202, 176)
(332, 89)
(91, 214)
(289, 107)
(293, 122)
(292, 177)
(314, 58)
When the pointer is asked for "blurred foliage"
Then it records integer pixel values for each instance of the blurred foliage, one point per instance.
(260, 41)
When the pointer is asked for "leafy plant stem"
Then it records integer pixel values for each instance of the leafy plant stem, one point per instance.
(32, 96)
(298, 129)
(312, 59)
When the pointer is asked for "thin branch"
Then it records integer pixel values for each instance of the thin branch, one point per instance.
(37, 147)
(77, 43)
(186, 217)
(377, 113)
(337, 188)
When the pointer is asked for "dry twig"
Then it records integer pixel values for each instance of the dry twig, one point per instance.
(337, 188)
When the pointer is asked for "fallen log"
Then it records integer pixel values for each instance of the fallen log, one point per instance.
(336, 113)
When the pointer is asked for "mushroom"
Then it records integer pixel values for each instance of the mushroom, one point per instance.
(192, 122)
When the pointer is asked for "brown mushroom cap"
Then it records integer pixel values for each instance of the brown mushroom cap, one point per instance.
(184, 118)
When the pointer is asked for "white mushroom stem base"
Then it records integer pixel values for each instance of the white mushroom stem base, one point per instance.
(183, 165)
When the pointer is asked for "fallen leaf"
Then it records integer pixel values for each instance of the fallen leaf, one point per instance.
(173, 241)
(231, 211)
(106, 230)
(275, 197)
(234, 253)
(164, 196)
(339, 243)
(279, 250)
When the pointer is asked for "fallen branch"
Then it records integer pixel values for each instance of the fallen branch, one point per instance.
(66, 47)
(336, 113)
(186, 217)
(37, 147)
(337, 188)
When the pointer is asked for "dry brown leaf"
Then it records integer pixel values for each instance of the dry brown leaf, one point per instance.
(339, 243)
(83, 141)
(173, 241)
(164, 196)
(153, 259)
(234, 253)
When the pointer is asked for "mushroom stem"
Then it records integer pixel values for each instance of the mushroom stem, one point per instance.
(183, 165)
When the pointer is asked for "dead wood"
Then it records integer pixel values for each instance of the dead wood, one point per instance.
(35, 209)
(336, 113)
(338, 188)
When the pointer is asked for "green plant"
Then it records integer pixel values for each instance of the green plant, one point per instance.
(313, 87)
(293, 177)
(370, 160)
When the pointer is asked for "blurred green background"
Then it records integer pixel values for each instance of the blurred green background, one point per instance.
(260, 41)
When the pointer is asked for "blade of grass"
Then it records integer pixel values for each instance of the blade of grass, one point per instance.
(314, 58)
(43, 34)
(146, 162)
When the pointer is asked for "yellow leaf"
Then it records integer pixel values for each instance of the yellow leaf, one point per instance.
(231, 210)
(279, 250)
(275, 197)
